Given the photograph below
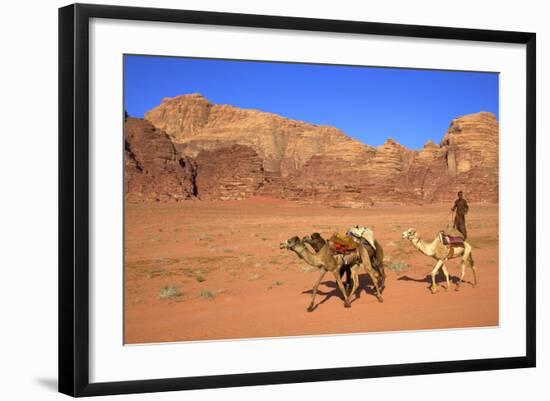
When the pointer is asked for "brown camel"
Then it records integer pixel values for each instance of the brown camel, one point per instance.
(323, 260)
(377, 274)
(316, 241)
(376, 258)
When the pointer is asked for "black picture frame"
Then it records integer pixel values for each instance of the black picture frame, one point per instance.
(74, 198)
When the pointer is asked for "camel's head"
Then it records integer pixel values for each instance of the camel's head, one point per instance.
(315, 237)
(409, 234)
(290, 243)
(315, 240)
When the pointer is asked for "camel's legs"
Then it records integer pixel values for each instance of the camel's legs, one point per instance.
(446, 273)
(322, 272)
(383, 276)
(470, 262)
(355, 278)
(462, 272)
(336, 275)
(438, 265)
(369, 269)
(475, 275)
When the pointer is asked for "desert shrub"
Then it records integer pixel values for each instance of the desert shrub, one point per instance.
(204, 237)
(206, 294)
(276, 283)
(397, 266)
(255, 276)
(169, 292)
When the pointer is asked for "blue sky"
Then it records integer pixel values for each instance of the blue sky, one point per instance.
(369, 104)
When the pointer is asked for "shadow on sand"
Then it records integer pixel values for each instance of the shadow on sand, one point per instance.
(439, 278)
(365, 283)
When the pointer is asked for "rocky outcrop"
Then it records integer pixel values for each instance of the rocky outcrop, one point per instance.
(323, 179)
(283, 145)
(230, 173)
(427, 173)
(241, 153)
(154, 170)
(471, 142)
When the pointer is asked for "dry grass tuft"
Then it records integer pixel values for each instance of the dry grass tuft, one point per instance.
(170, 292)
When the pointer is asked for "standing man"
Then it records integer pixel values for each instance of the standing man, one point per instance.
(461, 208)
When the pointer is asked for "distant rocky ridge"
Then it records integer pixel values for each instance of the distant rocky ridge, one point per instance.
(193, 149)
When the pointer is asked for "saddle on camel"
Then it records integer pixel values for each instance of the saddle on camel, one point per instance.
(451, 241)
(342, 245)
(360, 240)
(345, 245)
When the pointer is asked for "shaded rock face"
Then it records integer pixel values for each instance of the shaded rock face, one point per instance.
(427, 173)
(231, 153)
(154, 170)
(230, 173)
(323, 179)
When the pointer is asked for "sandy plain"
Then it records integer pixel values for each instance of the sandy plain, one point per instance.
(200, 270)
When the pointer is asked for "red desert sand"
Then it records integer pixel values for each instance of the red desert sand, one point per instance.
(209, 270)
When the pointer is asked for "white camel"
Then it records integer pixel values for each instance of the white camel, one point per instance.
(441, 252)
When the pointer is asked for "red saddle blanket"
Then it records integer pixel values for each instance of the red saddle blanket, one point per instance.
(341, 244)
(342, 249)
(452, 240)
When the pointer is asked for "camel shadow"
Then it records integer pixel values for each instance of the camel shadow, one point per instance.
(365, 283)
(439, 278)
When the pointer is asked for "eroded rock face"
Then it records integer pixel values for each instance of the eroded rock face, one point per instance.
(240, 153)
(231, 173)
(472, 142)
(323, 179)
(154, 170)
(283, 145)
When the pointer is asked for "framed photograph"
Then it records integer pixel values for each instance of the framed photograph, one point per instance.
(251, 199)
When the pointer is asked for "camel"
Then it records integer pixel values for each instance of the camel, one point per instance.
(376, 272)
(375, 257)
(323, 260)
(440, 252)
(326, 261)
(316, 241)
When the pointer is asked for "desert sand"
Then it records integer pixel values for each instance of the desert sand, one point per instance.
(228, 279)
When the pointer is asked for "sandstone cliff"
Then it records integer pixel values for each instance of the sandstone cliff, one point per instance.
(283, 145)
(241, 153)
(154, 170)
(229, 173)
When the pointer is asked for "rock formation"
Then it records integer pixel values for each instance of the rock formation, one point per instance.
(222, 152)
(283, 145)
(231, 173)
(154, 170)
